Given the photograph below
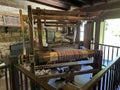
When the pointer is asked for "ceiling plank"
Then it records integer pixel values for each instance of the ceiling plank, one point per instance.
(103, 6)
(12, 3)
(86, 2)
(53, 3)
(72, 2)
(111, 14)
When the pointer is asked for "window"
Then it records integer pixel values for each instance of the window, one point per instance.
(112, 32)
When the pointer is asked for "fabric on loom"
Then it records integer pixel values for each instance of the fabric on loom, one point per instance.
(71, 55)
(54, 56)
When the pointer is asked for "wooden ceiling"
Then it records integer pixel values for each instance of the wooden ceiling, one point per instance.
(66, 4)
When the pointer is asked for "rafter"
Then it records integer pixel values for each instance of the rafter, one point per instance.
(103, 6)
(86, 1)
(53, 3)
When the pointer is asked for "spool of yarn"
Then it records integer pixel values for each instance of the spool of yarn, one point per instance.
(57, 34)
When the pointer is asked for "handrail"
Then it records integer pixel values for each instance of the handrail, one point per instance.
(110, 52)
(98, 76)
(109, 45)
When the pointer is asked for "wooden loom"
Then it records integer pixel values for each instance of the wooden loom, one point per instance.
(68, 18)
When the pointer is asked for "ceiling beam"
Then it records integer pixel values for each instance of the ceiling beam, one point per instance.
(104, 6)
(53, 3)
(13, 3)
(111, 14)
(86, 1)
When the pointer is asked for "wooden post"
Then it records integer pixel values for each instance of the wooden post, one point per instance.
(78, 33)
(88, 34)
(30, 19)
(97, 61)
(31, 28)
(14, 78)
(23, 32)
(97, 34)
(39, 25)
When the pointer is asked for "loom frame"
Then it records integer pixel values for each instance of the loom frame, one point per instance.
(36, 16)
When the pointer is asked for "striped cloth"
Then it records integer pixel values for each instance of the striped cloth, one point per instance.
(67, 53)
(73, 55)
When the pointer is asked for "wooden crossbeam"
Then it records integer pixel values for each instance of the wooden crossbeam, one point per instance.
(55, 25)
(64, 13)
(71, 18)
(59, 22)
(64, 74)
(55, 12)
(62, 64)
(11, 26)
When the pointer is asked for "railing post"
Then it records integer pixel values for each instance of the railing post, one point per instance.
(6, 77)
(14, 78)
(98, 61)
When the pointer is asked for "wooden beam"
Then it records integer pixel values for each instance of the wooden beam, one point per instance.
(86, 1)
(65, 13)
(30, 18)
(11, 26)
(9, 13)
(55, 12)
(23, 31)
(59, 22)
(39, 25)
(13, 3)
(104, 6)
(63, 25)
(72, 18)
(64, 74)
(97, 34)
(111, 14)
(78, 32)
(75, 3)
(88, 34)
(53, 3)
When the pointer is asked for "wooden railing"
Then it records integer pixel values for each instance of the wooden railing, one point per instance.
(110, 52)
(106, 79)
(5, 82)
(23, 79)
